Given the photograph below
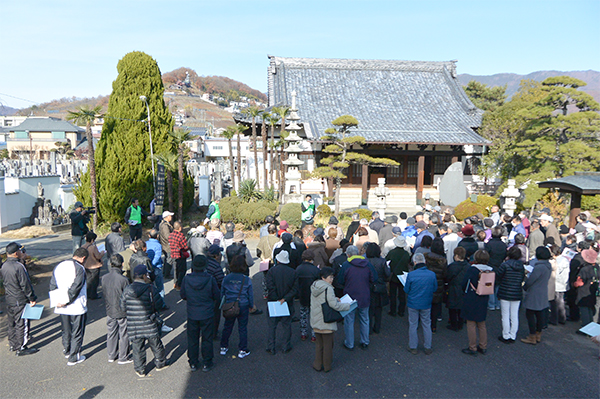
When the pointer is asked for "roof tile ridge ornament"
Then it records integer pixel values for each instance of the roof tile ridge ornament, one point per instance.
(345, 63)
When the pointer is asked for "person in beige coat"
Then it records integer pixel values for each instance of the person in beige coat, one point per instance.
(92, 265)
(321, 291)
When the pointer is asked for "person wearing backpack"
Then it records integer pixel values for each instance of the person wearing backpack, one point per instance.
(510, 278)
(535, 300)
(474, 309)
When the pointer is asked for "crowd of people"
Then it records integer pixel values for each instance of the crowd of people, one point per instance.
(417, 265)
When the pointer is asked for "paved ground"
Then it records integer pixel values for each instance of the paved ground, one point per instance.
(563, 365)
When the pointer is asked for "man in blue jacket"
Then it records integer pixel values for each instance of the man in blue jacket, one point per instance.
(420, 285)
(154, 251)
(200, 290)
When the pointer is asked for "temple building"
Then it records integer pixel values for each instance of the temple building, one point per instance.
(414, 112)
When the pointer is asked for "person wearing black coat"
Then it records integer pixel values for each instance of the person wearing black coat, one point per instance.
(379, 294)
(497, 250)
(200, 290)
(571, 297)
(354, 225)
(474, 309)
(468, 242)
(437, 263)
(454, 278)
(509, 281)
(113, 285)
(140, 257)
(281, 287)
(306, 274)
(140, 301)
(293, 252)
(399, 259)
(215, 269)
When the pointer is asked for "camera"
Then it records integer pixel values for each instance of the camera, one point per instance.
(90, 209)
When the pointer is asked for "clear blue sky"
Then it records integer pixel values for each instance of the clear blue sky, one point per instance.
(55, 49)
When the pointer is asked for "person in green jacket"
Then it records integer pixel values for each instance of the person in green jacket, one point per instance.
(133, 217)
(308, 210)
(213, 211)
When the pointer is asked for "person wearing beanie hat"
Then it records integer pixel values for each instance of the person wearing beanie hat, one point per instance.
(283, 226)
(140, 301)
(535, 299)
(586, 286)
(18, 293)
(200, 291)
(282, 288)
(333, 224)
(468, 242)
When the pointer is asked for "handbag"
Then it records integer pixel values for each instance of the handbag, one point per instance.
(330, 315)
(232, 309)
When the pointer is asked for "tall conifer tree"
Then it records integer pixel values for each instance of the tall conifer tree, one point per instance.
(123, 158)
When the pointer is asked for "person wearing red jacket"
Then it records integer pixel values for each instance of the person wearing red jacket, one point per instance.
(179, 253)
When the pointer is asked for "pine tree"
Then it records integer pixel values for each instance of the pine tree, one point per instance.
(123, 159)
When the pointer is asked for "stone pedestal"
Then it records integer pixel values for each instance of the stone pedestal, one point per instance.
(510, 195)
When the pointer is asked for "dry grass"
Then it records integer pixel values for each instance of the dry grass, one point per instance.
(27, 232)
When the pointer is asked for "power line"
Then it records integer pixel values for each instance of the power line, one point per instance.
(19, 98)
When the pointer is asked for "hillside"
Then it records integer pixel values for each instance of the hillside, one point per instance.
(512, 80)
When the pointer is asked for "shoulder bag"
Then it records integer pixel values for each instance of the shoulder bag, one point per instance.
(232, 309)
(330, 315)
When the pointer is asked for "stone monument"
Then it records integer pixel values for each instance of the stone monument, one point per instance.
(382, 192)
(452, 188)
(293, 176)
(510, 194)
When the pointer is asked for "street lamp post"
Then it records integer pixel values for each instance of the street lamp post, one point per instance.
(145, 100)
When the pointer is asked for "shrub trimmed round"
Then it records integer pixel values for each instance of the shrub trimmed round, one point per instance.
(467, 208)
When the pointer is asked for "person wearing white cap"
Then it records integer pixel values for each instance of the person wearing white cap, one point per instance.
(551, 231)
(164, 230)
(281, 287)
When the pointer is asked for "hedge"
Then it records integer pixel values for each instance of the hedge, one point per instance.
(468, 208)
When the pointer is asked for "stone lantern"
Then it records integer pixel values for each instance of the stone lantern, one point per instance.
(293, 176)
(510, 195)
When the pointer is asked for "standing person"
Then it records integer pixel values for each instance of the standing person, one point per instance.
(436, 262)
(281, 287)
(199, 289)
(497, 250)
(546, 221)
(18, 293)
(318, 247)
(399, 259)
(68, 278)
(586, 285)
(215, 233)
(228, 236)
(379, 293)
(239, 247)
(114, 241)
(474, 309)
(308, 210)
(451, 241)
(468, 243)
(536, 237)
(133, 217)
(353, 226)
(306, 274)
(357, 275)
(154, 251)
(92, 265)
(454, 278)
(214, 212)
(535, 300)
(283, 226)
(197, 239)
(422, 232)
(321, 291)
(386, 233)
(509, 279)
(331, 243)
(113, 285)
(264, 250)
(141, 302)
(179, 253)
(376, 222)
(215, 269)
(269, 220)
(79, 220)
(557, 305)
(237, 287)
(575, 265)
(420, 286)
(164, 230)
(333, 224)
(389, 244)
(140, 257)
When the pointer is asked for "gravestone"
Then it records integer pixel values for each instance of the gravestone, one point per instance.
(452, 188)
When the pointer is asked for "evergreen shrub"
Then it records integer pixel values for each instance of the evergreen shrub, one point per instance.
(292, 213)
(324, 211)
(468, 208)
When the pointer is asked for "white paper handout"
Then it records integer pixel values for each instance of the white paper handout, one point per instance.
(592, 329)
(101, 247)
(58, 297)
(402, 277)
(528, 268)
(277, 309)
(346, 299)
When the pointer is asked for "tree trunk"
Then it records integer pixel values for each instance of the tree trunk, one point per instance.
(281, 172)
(271, 149)
(180, 188)
(255, 152)
(263, 136)
(92, 166)
(231, 164)
(170, 189)
(239, 161)
(338, 185)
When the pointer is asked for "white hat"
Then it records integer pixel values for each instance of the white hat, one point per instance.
(283, 257)
(167, 213)
(547, 218)
(400, 242)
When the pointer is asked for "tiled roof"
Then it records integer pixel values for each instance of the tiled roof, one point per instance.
(587, 183)
(46, 125)
(394, 101)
